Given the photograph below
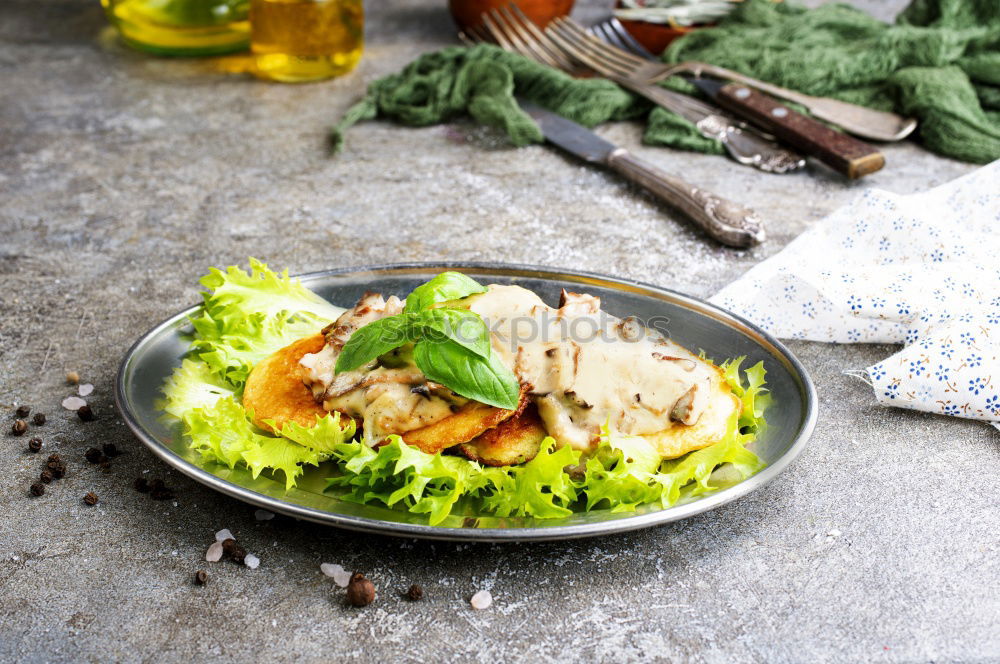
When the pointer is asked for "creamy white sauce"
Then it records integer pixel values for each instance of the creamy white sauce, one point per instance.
(584, 368)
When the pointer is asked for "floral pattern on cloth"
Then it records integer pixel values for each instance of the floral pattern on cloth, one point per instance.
(922, 270)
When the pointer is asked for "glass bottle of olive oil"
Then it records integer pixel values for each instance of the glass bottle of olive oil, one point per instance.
(295, 41)
(181, 27)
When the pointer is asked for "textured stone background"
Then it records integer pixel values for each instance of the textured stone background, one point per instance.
(123, 177)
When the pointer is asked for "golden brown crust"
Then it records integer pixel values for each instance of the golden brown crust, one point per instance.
(469, 421)
(275, 389)
(513, 441)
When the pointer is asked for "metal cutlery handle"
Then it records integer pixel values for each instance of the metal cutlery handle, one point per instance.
(858, 120)
(729, 223)
(744, 144)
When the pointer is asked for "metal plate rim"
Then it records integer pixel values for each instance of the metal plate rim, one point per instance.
(549, 533)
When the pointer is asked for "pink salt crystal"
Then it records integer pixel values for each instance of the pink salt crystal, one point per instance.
(85, 389)
(482, 600)
(73, 403)
(214, 553)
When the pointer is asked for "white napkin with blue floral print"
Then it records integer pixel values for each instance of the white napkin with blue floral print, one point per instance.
(922, 270)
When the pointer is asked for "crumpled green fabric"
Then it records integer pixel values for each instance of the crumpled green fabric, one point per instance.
(940, 63)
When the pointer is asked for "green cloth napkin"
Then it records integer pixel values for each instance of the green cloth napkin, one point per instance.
(940, 63)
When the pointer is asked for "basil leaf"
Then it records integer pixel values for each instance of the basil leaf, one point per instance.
(381, 336)
(442, 288)
(459, 325)
(463, 372)
(374, 339)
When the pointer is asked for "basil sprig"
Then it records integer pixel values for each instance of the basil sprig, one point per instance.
(451, 346)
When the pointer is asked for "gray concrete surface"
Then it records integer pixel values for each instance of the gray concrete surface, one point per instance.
(123, 177)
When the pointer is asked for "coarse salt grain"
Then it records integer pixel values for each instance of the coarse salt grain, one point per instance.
(339, 575)
(251, 561)
(85, 389)
(73, 403)
(214, 553)
(223, 534)
(481, 600)
(263, 515)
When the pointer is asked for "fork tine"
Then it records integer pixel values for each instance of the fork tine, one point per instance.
(584, 52)
(629, 42)
(499, 34)
(530, 46)
(597, 46)
(603, 32)
(542, 40)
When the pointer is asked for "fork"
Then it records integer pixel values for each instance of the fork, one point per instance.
(612, 31)
(513, 31)
(858, 120)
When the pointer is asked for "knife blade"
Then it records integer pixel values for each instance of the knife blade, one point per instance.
(730, 223)
(845, 154)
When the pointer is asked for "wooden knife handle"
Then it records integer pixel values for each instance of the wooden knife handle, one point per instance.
(845, 154)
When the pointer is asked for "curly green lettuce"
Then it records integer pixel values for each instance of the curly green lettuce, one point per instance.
(246, 316)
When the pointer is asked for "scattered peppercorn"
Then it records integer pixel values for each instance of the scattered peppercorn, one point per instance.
(227, 545)
(415, 593)
(22, 411)
(237, 554)
(105, 465)
(38, 420)
(19, 427)
(156, 484)
(58, 470)
(360, 591)
(141, 485)
(110, 450)
(54, 458)
(91, 498)
(72, 377)
(35, 445)
(85, 413)
(93, 455)
(46, 476)
(37, 489)
(200, 577)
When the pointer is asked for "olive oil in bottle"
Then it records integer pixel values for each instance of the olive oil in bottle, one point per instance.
(306, 40)
(181, 27)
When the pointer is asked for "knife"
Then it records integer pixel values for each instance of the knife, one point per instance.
(729, 223)
(845, 154)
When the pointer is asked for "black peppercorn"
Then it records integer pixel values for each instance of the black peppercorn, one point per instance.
(141, 485)
(46, 476)
(90, 498)
(110, 450)
(37, 489)
(22, 411)
(105, 466)
(93, 455)
(38, 420)
(415, 593)
(58, 469)
(360, 591)
(85, 413)
(54, 458)
(237, 554)
(19, 427)
(35, 445)
(200, 577)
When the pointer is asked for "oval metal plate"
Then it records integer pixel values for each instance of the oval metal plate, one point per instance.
(691, 322)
